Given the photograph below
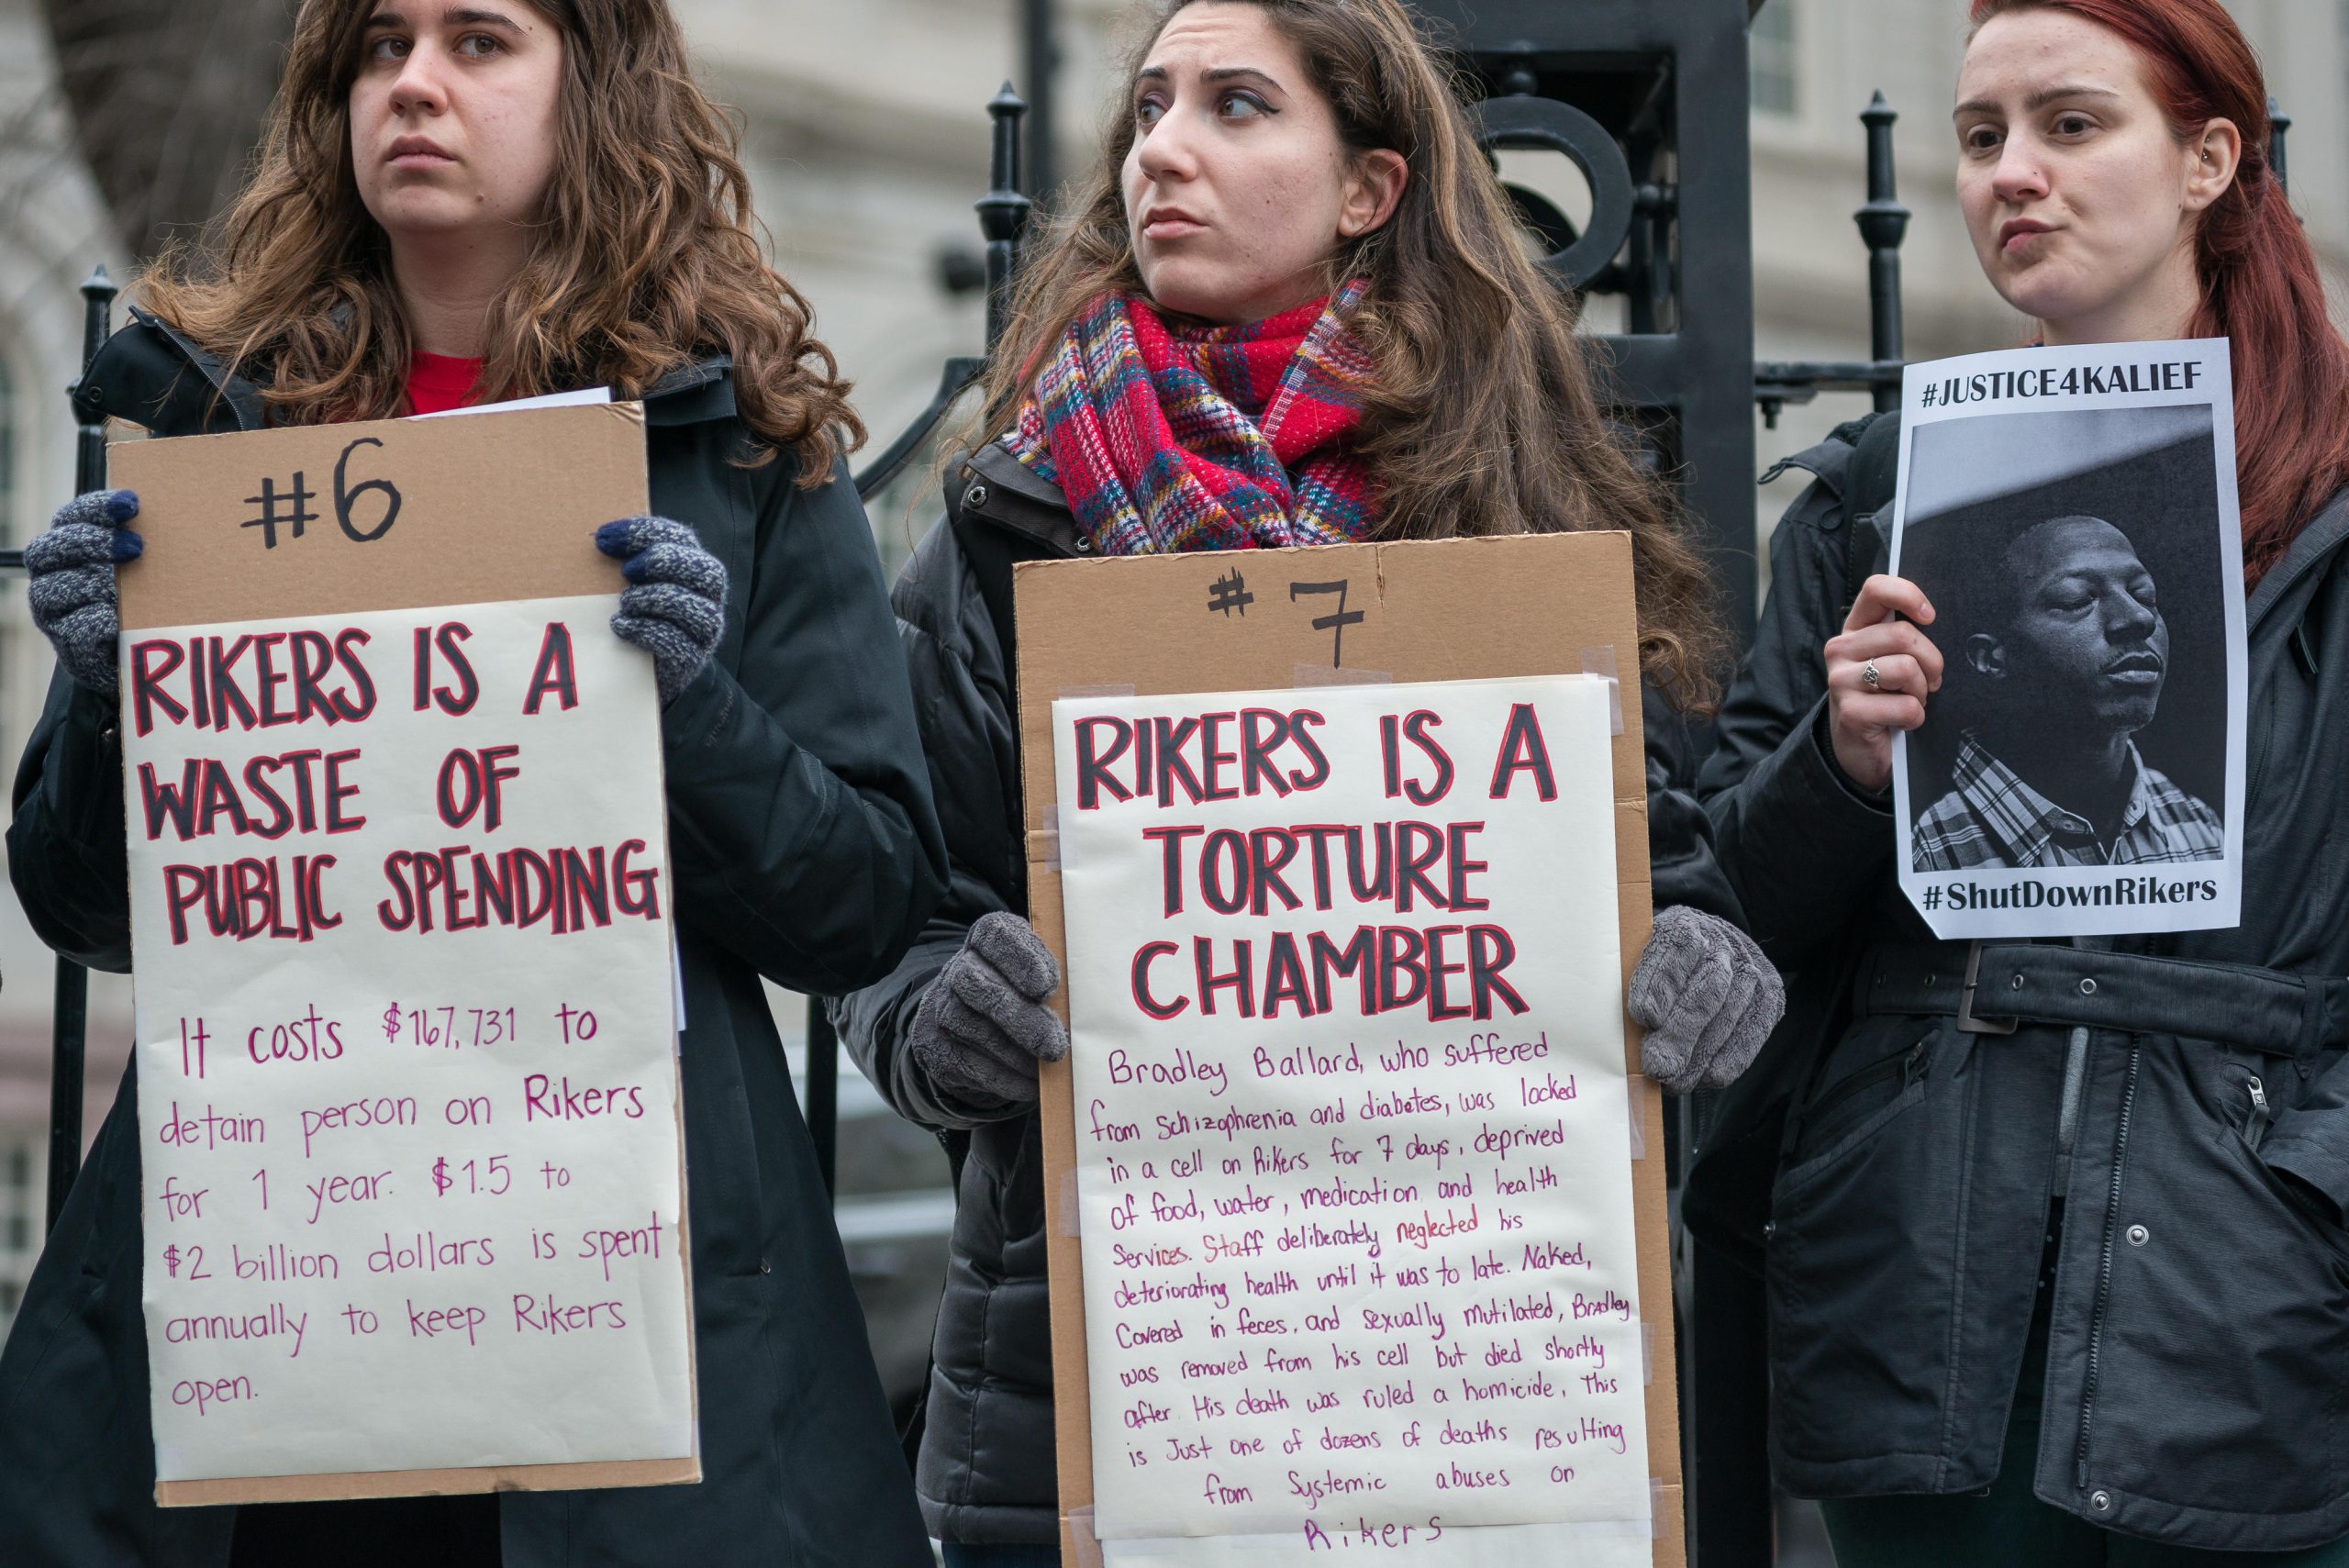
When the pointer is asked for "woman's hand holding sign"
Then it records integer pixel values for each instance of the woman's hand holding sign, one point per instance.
(674, 605)
(73, 593)
(1706, 999)
(986, 1020)
(1879, 672)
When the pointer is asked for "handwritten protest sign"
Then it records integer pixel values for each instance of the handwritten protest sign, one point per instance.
(411, 1169)
(1353, 1237)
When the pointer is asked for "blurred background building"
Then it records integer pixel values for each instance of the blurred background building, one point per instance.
(126, 121)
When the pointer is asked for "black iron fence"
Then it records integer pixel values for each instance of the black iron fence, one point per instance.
(69, 1021)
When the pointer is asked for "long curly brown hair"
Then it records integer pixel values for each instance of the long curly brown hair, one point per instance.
(645, 258)
(1483, 419)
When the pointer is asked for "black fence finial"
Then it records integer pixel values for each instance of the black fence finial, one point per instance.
(1003, 211)
(2278, 123)
(1884, 223)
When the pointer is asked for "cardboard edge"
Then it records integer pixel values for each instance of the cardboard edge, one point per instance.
(630, 412)
(1064, 1251)
(1670, 1545)
(340, 1486)
(675, 970)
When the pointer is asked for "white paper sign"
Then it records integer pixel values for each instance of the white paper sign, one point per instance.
(584, 396)
(409, 1136)
(1352, 1124)
(2071, 514)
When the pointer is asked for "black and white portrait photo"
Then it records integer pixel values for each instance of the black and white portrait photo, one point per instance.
(2077, 566)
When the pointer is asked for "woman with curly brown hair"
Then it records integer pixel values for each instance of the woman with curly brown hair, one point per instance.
(1288, 307)
(458, 204)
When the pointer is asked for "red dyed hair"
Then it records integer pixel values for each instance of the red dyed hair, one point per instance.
(2260, 285)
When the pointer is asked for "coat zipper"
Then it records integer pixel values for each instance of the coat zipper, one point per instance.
(1905, 1065)
(2104, 1272)
(2259, 1112)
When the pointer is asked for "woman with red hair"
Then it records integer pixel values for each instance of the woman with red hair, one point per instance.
(2055, 1247)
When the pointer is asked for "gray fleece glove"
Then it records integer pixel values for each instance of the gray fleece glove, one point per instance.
(674, 606)
(1707, 998)
(71, 591)
(981, 1025)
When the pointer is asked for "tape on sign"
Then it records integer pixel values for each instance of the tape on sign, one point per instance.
(1071, 693)
(1088, 1545)
(1647, 1354)
(1068, 1224)
(1655, 1508)
(1639, 1123)
(1601, 662)
(1323, 675)
(1055, 846)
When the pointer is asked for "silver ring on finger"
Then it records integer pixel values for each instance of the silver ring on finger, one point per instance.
(1870, 676)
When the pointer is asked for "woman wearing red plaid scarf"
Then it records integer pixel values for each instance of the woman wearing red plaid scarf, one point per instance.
(1290, 308)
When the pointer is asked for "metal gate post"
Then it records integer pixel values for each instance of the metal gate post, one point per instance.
(823, 1088)
(68, 1023)
(1004, 213)
(1884, 223)
(1650, 101)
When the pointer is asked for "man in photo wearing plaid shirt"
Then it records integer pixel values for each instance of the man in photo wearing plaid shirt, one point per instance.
(2068, 650)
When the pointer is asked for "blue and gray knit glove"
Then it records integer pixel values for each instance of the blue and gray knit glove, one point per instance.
(1706, 997)
(675, 605)
(73, 593)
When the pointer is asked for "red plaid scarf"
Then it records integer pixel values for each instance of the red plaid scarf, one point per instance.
(1178, 438)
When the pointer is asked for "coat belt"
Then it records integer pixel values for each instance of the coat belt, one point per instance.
(1994, 987)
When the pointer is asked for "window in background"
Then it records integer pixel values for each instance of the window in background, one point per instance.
(1770, 57)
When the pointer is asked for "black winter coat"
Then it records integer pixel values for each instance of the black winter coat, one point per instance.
(987, 1470)
(2198, 1364)
(802, 848)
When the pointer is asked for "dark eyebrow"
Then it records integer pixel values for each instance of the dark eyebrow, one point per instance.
(456, 17)
(2033, 101)
(1242, 74)
(1220, 74)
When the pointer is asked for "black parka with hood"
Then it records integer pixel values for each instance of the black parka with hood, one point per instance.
(2198, 1364)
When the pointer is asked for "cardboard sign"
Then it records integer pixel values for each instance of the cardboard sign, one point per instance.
(1352, 1232)
(412, 1175)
